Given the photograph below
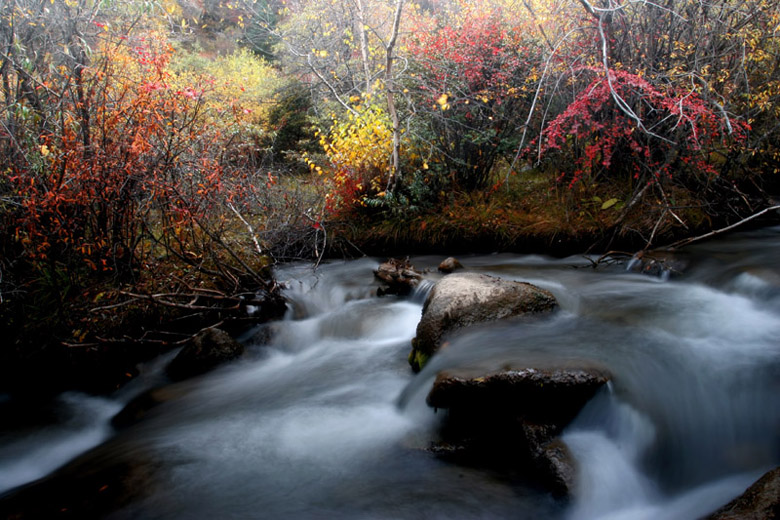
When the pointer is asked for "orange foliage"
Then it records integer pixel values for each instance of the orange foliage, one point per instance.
(130, 162)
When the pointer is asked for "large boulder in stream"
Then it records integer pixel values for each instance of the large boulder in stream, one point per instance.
(514, 417)
(761, 501)
(206, 351)
(464, 299)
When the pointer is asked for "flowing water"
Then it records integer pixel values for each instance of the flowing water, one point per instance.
(327, 421)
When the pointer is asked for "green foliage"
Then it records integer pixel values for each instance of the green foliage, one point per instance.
(240, 85)
(415, 195)
(290, 126)
(260, 30)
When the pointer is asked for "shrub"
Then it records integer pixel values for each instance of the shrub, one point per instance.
(621, 125)
(358, 150)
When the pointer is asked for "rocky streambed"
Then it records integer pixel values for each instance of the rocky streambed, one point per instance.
(581, 392)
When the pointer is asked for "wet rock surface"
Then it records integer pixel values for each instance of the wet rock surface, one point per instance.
(450, 265)
(398, 276)
(81, 489)
(514, 417)
(139, 407)
(661, 264)
(204, 352)
(761, 501)
(552, 396)
(464, 299)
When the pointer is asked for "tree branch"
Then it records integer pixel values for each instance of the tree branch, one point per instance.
(722, 230)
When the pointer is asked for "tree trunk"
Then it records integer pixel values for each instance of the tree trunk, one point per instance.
(364, 44)
(395, 168)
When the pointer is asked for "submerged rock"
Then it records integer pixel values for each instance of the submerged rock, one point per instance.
(464, 299)
(139, 407)
(556, 466)
(661, 264)
(399, 276)
(94, 485)
(761, 501)
(206, 351)
(450, 265)
(515, 417)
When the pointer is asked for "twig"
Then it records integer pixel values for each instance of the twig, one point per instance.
(157, 298)
(624, 213)
(720, 231)
(608, 254)
(324, 245)
(143, 340)
(248, 227)
(114, 306)
(655, 230)
(204, 290)
(318, 226)
(669, 206)
(531, 110)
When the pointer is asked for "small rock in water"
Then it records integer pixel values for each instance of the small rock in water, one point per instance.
(399, 276)
(657, 263)
(449, 265)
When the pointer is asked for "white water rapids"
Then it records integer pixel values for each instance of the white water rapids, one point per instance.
(327, 421)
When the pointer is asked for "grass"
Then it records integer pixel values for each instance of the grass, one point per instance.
(529, 212)
(532, 212)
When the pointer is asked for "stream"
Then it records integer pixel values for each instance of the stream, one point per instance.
(326, 420)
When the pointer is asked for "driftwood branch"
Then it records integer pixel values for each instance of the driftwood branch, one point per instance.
(655, 230)
(722, 230)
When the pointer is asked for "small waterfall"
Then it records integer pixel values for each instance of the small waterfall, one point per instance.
(633, 262)
(423, 289)
(608, 441)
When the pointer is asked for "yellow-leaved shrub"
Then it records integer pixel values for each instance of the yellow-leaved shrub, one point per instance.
(359, 150)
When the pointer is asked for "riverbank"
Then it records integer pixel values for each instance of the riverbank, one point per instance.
(88, 332)
(539, 216)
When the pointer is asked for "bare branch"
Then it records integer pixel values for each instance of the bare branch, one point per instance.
(329, 86)
(722, 230)
(248, 227)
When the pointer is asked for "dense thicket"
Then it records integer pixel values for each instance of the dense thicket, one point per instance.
(643, 99)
